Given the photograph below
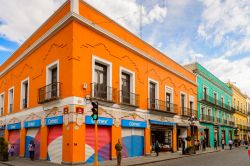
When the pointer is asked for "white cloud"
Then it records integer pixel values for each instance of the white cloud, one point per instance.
(2, 48)
(127, 12)
(21, 18)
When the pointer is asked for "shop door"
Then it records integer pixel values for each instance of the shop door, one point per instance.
(14, 139)
(207, 137)
(55, 144)
(104, 143)
(133, 142)
(33, 134)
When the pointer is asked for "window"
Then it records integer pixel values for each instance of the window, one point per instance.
(205, 92)
(215, 98)
(11, 100)
(52, 81)
(169, 99)
(2, 104)
(24, 93)
(202, 113)
(183, 104)
(222, 101)
(100, 81)
(234, 103)
(152, 94)
(127, 87)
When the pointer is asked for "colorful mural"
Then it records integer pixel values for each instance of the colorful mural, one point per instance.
(133, 142)
(33, 134)
(14, 139)
(104, 143)
(55, 144)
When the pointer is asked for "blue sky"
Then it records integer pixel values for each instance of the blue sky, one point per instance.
(215, 33)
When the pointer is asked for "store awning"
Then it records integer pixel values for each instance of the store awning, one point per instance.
(156, 122)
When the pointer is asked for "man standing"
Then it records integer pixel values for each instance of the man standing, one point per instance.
(31, 148)
(118, 148)
(157, 148)
(230, 144)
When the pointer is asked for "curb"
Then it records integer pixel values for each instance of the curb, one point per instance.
(6, 163)
(174, 158)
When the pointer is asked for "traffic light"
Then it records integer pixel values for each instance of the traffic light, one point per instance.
(94, 110)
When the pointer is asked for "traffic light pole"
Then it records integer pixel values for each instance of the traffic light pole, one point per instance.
(96, 144)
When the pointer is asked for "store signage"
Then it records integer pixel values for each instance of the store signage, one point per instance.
(162, 123)
(133, 123)
(101, 121)
(14, 126)
(79, 110)
(54, 120)
(32, 123)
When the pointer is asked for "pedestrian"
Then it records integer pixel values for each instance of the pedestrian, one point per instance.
(12, 150)
(118, 148)
(31, 148)
(230, 144)
(222, 143)
(215, 144)
(157, 148)
(183, 145)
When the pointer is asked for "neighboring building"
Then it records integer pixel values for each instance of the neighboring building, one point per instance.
(74, 58)
(248, 118)
(239, 101)
(214, 106)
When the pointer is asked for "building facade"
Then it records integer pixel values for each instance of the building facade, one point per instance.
(48, 84)
(248, 118)
(239, 101)
(214, 107)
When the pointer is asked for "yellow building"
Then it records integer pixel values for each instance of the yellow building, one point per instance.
(239, 102)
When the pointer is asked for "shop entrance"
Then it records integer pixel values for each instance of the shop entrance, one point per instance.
(181, 133)
(163, 135)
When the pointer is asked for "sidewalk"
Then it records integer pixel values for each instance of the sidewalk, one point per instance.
(125, 161)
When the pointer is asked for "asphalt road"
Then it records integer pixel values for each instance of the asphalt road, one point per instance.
(235, 157)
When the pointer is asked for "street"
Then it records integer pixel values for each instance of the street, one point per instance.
(235, 157)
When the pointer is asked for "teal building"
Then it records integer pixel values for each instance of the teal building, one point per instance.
(215, 111)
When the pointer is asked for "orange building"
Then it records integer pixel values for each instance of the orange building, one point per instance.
(47, 85)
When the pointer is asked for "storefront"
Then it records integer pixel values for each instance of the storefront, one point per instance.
(182, 133)
(133, 137)
(216, 135)
(33, 134)
(104, 139)
(162, 132)
(14, 137)
(54, 139)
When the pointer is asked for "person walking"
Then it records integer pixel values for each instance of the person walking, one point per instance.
(118, 148)
(222, 143)
(183, 145)
(230, 144)
(157, 148)
(215, 144)
(31, 148)
(12, 150)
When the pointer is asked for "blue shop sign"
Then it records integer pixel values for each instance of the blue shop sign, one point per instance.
(14, 126)
(32, 123)
(162, 123)
(54, 120)
(133, 123)
(101, 121)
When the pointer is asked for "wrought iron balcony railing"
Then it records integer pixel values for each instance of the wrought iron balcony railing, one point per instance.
(217, 120)
(206, 118)
(160, 105)
(49, 93)
(187, 111)
(103, 92)
(128, 98)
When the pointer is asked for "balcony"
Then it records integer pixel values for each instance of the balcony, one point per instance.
(160, 105)
(217, 120)
(206, 118)
(129, 98)
(103, 92)
(225, 122)
(231, 123)
(49, 93)
(187, 112)
(211, 101)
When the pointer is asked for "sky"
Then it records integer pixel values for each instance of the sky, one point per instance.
(215, 33)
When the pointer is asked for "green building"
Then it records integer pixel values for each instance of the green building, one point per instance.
(214, 107)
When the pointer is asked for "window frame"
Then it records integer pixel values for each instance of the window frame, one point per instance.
(22, 92)
(13, 99)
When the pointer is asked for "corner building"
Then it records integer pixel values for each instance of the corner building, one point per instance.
(214, 107)
(74, 58)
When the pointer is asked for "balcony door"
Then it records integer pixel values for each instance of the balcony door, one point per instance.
(152, 96)
(125, 88)
(100, 86)
(183, 105)
(168, 101)
(205, 93)
(54, 82)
